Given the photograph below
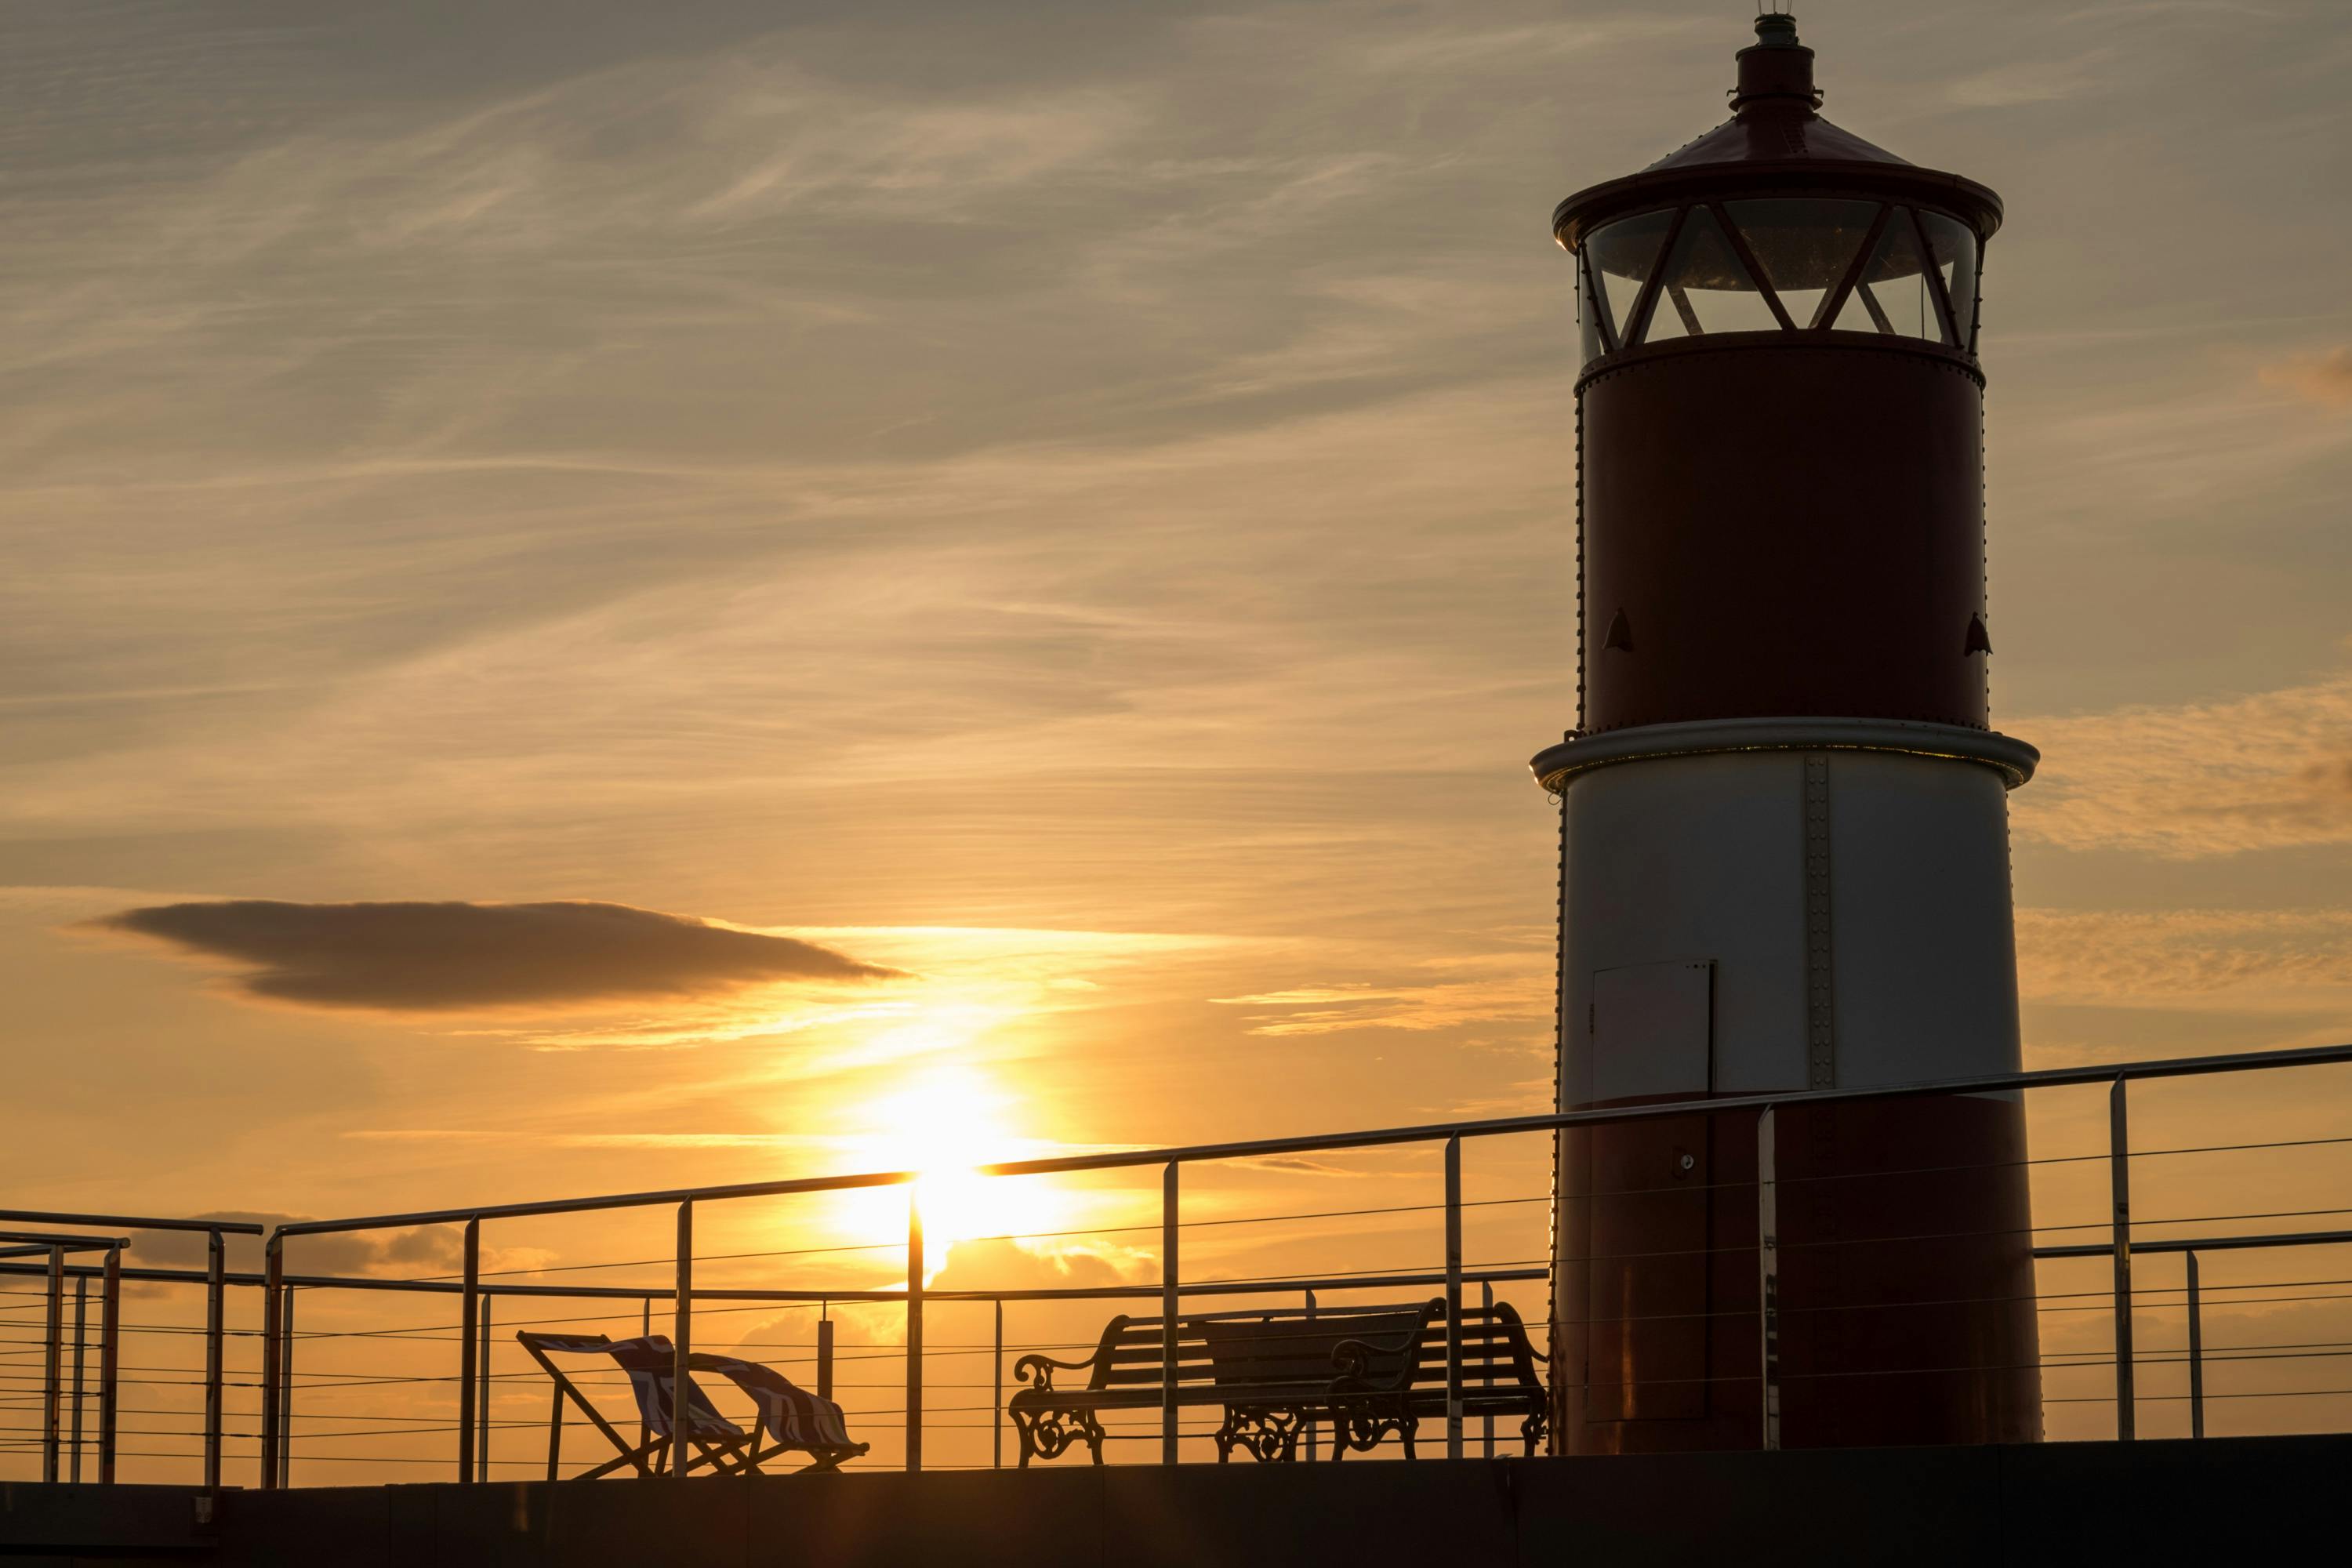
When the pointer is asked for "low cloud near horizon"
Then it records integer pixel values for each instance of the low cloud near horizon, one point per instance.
(455, 956)
(413, 1252)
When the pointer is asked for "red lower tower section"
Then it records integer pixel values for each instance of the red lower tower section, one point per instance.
(1900, 1315)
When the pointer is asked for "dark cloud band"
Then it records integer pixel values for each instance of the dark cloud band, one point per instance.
(456, 956)
(432, 1250)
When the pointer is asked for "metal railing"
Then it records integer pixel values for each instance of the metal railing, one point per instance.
(2126, 1392)
(56, 1249)
(276, 1455)
(111, 1275)
(277, 1284)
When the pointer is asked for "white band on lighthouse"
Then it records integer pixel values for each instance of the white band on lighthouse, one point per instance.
(1850, 905)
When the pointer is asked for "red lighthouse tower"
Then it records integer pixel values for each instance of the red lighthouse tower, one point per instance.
(1784, 830)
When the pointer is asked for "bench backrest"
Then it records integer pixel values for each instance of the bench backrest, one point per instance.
(1281, 1347)
(1292, 1348)
(1496, 1350)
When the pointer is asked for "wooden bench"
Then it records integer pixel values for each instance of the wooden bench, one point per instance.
(1498, 1372)
(1369, 1371)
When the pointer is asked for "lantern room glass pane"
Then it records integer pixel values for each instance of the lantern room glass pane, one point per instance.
(1621, 256)
(1954, 246)
(1804, 246)
(1891, 296)
(1588, 312)
(1706, 290)
(1671, 317)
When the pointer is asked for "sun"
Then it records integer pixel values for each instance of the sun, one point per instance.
(945, 1122)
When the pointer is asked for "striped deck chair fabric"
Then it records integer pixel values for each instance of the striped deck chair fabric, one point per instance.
(651, 1363)
(796, 1418)
(793, 1416)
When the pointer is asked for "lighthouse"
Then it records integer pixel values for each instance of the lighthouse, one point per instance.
(1784, 856)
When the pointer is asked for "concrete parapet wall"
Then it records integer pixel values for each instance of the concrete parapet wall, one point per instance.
(2221, 1500)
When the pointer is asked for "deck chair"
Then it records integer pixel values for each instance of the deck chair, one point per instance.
(797, 1419)
(793, 1416)
(650, 1362)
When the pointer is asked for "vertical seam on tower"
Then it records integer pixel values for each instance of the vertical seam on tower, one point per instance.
(1984, 480)
(1820, 992)
(1580, 723)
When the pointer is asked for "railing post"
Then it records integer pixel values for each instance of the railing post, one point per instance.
(216, 1332)
(1311, 1427)
(2195, 1354)
(73, 1403)
(1168, 1299)
(823, 1353)
(469, 1311)
(1453, 1297)
(52, 1372)
(914, 1325)
(996, 1395)
(286, 1393)
(682, 1342)
(555, 1434)
(1486, 1422)
(110, 1361)
(1767, 1272)
(482, 1399)
(273, 1272)
(2119, 1176)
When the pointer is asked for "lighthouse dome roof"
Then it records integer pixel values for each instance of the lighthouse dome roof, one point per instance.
(1776, 141)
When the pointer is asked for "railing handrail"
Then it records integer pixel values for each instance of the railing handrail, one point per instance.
(133, 1222)
(48, 1241)
(2199, 1244)
(1424, 1132)
(729, 1293)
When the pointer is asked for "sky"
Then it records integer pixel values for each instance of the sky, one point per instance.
(912, 583)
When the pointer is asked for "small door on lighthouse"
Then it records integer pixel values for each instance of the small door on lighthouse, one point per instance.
(1651, 1031)
(1646, 1354)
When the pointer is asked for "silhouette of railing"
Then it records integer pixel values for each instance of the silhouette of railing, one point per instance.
(111, 1275)
(277, 1286)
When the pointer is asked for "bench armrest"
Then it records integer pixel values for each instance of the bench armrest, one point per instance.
(1352, 1358)
(1037, 1371)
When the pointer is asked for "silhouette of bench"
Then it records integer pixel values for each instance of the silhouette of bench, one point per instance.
(1367, 1371)
(1498, 1372)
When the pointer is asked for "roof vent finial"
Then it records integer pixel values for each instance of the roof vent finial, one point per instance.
(1776, 70)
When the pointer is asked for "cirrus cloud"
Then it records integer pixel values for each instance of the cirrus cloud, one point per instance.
(2273, 960)
(455, 956)
(2270, 769)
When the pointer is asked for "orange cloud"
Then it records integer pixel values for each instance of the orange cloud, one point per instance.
(2325, 377)
(2261, 958)
(1504, 988)
(2271, 770)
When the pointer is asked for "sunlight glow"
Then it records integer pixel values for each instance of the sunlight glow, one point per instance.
(945, 1122)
